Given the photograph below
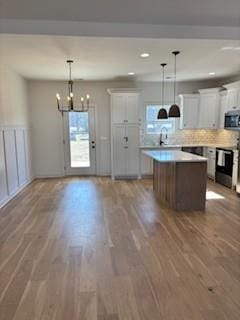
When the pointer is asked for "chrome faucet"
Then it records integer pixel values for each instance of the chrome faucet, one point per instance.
(161, 142)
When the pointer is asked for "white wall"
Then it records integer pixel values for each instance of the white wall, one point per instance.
(13, 99)
(15, 146)
(47, 133)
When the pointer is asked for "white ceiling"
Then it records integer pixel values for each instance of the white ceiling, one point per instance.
(43, 57)
(171, 12)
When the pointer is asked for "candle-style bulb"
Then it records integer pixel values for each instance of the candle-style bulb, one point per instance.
(68, 98)
(88, 96)
(82, 99)
(71, 95)
(58, 96)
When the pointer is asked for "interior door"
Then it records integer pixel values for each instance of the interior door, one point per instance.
(79, 143)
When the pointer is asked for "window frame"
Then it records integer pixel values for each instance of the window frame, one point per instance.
(157, 103)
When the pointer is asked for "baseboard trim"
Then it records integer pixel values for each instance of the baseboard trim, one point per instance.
(13, 195)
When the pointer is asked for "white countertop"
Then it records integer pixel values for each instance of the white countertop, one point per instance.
(170, 146)
(173, 156)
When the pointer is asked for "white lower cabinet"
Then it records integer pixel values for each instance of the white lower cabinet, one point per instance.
(235, 168)
(211, 163)
(146, 165)
(125, 150)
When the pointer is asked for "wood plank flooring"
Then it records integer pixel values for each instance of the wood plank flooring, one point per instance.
(94, 249)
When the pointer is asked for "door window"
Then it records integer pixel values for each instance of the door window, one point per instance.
(79, 139)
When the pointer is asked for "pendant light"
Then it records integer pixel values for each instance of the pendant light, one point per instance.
(70, 98)
(174, 111)
(162, 113)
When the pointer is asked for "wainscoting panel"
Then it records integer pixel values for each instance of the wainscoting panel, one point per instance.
(11, 161)
(3, 178)
(15, 161)
(21, 157)
(28, 153)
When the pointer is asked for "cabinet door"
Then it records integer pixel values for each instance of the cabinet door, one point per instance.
(3, 178)
(211, 164)
(232, 99)
(223, 110)
(119, 150)
(235, 168)
(146, 165)
(119, 108)
(132, 108)
(132, 159)
(208, 111)
(189, 117)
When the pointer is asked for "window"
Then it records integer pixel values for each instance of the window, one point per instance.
(153, 125)
(79, 139)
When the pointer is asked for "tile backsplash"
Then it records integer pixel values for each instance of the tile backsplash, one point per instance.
(198, 136)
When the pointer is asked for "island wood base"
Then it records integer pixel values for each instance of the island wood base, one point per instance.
(182, 185)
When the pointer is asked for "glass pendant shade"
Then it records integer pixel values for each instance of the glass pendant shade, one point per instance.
(174, 111)
(162, 114)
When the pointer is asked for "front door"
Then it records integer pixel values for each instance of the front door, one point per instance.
(80, 152)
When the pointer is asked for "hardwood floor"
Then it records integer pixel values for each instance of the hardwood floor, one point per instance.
(91, 248)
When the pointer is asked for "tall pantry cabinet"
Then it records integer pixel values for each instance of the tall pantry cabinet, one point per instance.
(125, 132)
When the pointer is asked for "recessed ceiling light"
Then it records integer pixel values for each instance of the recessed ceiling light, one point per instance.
(144, 55)
(131, 73)
(212, 73)
(226, 48)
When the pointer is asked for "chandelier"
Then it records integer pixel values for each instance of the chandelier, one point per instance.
(70, 107)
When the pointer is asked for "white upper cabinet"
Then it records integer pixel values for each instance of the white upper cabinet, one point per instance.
(132, 108)
(223, 109)
(118, 108)
(233, 95)
(124, 107)
(209, 108)
(189, 106)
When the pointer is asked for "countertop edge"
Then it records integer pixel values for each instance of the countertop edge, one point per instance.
(179, 156)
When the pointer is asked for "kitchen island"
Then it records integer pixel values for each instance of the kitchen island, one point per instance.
(179, 179)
